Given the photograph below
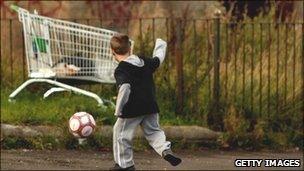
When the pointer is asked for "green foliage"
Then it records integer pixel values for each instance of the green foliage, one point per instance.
(252, 132)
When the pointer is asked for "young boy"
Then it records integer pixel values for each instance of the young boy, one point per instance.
(136, 103)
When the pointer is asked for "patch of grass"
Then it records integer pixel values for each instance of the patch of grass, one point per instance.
(253, 133)
(29, 108)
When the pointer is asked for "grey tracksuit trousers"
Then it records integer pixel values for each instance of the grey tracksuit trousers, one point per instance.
(123, 134)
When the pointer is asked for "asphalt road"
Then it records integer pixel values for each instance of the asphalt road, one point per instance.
(148, 160)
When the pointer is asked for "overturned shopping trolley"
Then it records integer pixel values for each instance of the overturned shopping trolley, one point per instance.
(58, 50)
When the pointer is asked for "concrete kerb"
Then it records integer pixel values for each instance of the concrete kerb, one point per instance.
(172, 132)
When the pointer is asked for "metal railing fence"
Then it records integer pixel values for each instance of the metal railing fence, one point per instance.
(257, 66)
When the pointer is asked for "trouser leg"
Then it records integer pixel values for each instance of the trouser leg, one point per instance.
(123, 133)
(154, 134)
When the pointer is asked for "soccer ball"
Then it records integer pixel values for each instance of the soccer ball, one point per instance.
(81, 124)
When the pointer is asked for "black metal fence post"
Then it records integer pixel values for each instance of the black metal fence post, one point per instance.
(179, 67)
(216, 83)
(214, 117)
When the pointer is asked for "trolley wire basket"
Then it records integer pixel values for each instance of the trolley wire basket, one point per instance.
(62, 50)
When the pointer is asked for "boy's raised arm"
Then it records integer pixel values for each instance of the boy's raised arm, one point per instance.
(160, 50)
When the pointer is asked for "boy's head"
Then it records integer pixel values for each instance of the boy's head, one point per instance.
(120, 45)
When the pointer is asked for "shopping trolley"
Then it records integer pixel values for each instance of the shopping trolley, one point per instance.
(58, 50)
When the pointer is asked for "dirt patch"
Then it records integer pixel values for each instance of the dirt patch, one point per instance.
(103, 160)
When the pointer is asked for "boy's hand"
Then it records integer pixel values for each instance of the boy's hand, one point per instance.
(160, 41)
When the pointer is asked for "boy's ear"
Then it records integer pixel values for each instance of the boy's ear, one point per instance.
(114, 54)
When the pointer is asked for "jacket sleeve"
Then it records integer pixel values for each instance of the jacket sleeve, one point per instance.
(122, 98)
(124, 90)
(160, 50)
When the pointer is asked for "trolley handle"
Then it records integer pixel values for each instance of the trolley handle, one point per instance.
(14, 7)
(19, 10)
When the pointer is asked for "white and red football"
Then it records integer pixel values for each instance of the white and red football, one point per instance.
(81, 124)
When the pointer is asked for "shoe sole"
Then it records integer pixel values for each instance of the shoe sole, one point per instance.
(174, 161)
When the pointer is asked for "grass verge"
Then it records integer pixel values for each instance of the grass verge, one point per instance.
(31, 109)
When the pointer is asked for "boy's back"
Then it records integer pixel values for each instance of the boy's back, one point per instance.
(138, 72)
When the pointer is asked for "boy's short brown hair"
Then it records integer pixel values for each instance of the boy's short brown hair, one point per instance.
(120, 44)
